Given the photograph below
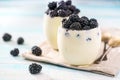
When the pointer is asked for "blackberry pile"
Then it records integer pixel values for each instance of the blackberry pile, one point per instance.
(62, 9)
(76, 23)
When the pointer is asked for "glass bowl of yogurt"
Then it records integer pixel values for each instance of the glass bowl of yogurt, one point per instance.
(53, 17)
(79, 40)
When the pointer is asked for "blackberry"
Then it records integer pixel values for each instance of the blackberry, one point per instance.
(61, 2)
(84, 21)
(35, 68)
(53, 13)
(68, 12)
(68, 2)
(93, 23)
(74, 18)
(36, 50)
(63, 6)
(75, 26)
(20, 40)
(76, 11)
(52, 5)
(86, 28)
(7, 37)
(14, 52)
(71, 7)
(92, 19)
(62, 13)
(67, 24)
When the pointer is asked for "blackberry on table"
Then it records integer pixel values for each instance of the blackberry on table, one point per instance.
(75, 26)
(20, 40)
(7, 37)
(52, 5)
(35, 68)
(36, 50)
(14, 52)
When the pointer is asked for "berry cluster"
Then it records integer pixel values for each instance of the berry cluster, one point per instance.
(35, 68)
(62, 9)
(76, 23)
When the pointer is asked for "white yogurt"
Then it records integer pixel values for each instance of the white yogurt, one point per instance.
(79, 47)
(50, 28)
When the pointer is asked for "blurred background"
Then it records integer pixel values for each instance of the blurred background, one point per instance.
(27, 15)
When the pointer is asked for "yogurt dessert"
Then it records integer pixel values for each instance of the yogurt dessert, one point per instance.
(79, 40)
(53, 17)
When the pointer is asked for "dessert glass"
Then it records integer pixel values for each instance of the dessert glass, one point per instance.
(79, 47)
(51, 25)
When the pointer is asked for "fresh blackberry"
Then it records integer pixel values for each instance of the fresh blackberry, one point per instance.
(20, 40)
(86, 28)
(7, 37)
(52, 5)
(75, 26)
(92, 19)
(35, 68)
(68, 12)
(68, 2)
(84, 21)
(53, 13)
(93, 23)
(74, 18)
(14, 52)
(71, 7)
(36, 50)
(62, 13)
(76, 11)
(63, 6)
(62, 2)
(67, 24)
